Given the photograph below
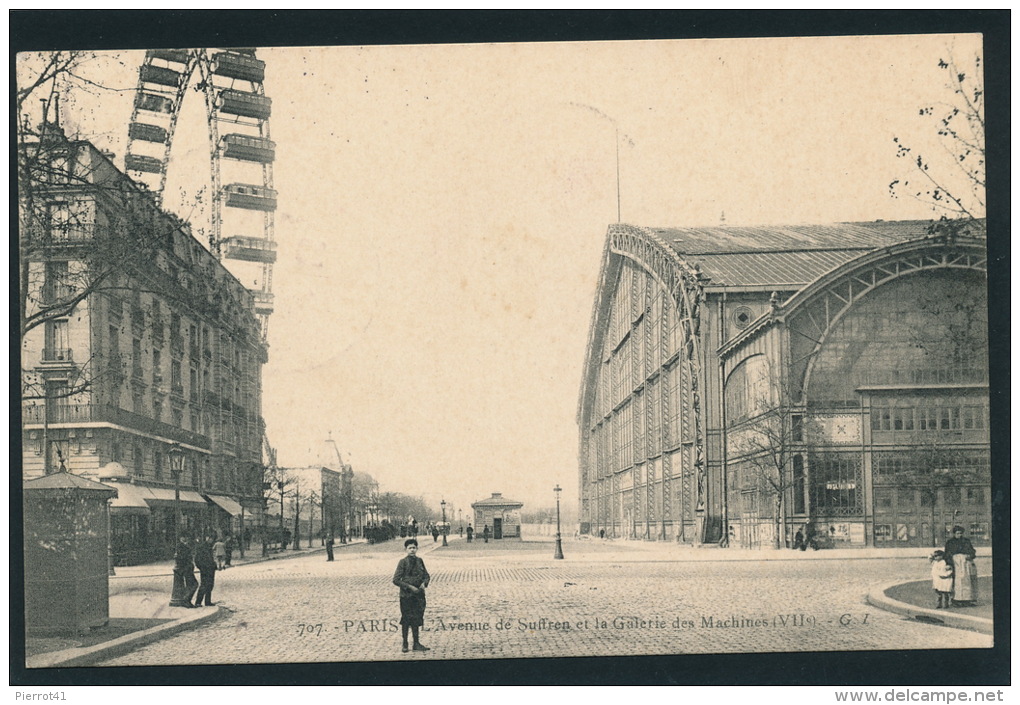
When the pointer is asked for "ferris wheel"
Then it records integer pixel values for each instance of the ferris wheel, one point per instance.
(241, 218)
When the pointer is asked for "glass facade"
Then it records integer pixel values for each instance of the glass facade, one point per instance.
(637, 414)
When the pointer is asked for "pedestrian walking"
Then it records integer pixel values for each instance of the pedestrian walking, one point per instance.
(185, 584)
(960, 553)
(798, 541)
(941, 579)
(206, 564)
(219, 550)
(412, 578)
(329, 548)
(435, 534)
(228, 545)
(470, 534)
(485, 533)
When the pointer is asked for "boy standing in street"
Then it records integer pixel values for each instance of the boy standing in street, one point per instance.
(412, 579)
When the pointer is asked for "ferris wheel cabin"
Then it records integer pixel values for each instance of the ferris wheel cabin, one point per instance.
(248, 148)
(154, 103)
(249, 249)
(160, 75)
(244, 104)
(250, 197)
(141, 162)
(179, 56)
(146, 132)
(242, 66)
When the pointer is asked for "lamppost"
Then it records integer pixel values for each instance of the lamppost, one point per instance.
(179, 597)
(175, 455)
(559, 541)
(443, 505)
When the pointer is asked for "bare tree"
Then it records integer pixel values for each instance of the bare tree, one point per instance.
(957, 192)
(767, 445)
(84, 227)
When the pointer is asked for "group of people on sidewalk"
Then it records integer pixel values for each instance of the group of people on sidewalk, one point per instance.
(953, 575)
(208, 554)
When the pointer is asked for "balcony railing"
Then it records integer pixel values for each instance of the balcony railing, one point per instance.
(58, 355)
(924, 377)
(65, 232)
(32, 413)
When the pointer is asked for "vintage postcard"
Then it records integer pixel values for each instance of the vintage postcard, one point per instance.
(406, 354)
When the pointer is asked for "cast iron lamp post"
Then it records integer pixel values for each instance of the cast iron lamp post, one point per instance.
(559, 541)
(179, 597)
(443, 505)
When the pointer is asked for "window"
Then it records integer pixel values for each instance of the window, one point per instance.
(798, 484)
(837, 485)
(58, 346)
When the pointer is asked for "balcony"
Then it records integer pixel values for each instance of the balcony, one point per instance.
(61, 233)
(932, 377)
(57, 355)
(32, 413)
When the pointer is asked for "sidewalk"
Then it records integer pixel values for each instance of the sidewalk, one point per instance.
(914, 600)
(139, 617)
(595, 549)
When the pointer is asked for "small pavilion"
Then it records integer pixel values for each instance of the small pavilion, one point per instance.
(501, 515)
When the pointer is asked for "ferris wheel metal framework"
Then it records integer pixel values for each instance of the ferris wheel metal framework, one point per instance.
(237, 113)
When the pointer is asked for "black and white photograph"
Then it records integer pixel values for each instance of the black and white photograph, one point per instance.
(495, 353)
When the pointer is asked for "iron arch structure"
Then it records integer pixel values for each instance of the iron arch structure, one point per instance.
(664, 422)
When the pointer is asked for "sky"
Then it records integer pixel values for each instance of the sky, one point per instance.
(443, 211)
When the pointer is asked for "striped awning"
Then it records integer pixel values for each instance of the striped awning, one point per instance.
(163, 494)
(227, 504)
(130, 499)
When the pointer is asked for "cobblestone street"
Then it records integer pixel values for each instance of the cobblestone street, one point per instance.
(501, 601)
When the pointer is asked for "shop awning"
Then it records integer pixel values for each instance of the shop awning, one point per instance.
(227, 504)
(130, 499)
(162, 494)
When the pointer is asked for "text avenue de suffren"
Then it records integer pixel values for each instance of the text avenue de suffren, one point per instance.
(546, 624)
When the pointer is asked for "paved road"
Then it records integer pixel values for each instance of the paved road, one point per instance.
(501, 603)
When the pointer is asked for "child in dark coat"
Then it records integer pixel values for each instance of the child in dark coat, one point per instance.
(412, 579)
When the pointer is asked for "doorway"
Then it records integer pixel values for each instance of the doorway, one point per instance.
(497, 527)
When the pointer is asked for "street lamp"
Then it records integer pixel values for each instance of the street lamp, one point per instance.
(442, 504)
(179, 596)
(175, 455)
(559, 541)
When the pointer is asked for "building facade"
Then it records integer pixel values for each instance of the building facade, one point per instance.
(135, 340)
(500, 514)
(743, 384)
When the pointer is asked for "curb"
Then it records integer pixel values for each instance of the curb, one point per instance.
(88, 655)
(272, 557)
(879, 599)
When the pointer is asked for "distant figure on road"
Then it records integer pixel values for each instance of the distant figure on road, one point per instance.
(941, 579)
(798, 541)
(485, 533)
(470, 534)
(602, 533)
(184, 571)
(435, 534)
(219, 550)
(206, 565)
(960, 552)
(412, 578)
(329, 547)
